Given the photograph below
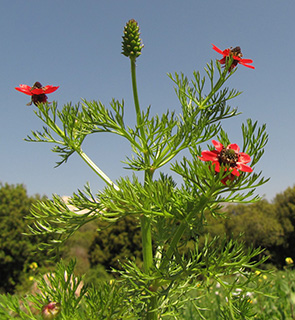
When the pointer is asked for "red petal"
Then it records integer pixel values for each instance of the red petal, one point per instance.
(218, 146)
(246, 65)
(216, 166)
(246, 60)
(43, 90)
(235, 172)
(24, 89)
(223, 60)
(216, 49)
(234, 147)
(244, 157)
(230, 177)
(244, 167)
(209, 155)
(226, 52)
(237, 58)
(37, 91)
(50, 89)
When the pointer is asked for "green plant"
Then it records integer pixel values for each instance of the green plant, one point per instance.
(168, 215)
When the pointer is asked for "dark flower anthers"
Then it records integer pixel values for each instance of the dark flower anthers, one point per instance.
(236, 54)
(230, 158)
(37, 92)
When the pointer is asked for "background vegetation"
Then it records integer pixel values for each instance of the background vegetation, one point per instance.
(18, 251)
(98, 249)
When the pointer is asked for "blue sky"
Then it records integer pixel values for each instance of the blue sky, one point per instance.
(77, 45)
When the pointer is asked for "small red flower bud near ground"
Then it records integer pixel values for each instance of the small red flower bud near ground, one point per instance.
(51, 310)
(230, 158)
(37, 92)
(236, 54)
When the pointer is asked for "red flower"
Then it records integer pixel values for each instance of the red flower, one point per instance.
(37, 92)
(237, 56)
(230, 157)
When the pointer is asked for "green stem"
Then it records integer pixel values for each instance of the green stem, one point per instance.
(147, 248)
(231, 307)
(147, 251)
(181, 228)
(173, 244)
(51, 123)
(135, 97)
(218, 85)
(148, 258)
(96, 169)
(146, 228)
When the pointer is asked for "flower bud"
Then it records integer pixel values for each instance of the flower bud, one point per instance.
(131, 44)
(51, 310)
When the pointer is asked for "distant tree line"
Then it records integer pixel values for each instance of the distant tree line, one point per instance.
(17, 250)
(96, 247)
(270, 225)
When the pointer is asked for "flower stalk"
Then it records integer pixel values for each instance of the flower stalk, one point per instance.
(132, 48)
(223, 77)
(135, 97)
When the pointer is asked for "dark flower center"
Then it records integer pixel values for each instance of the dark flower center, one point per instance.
(37, 85)
(39, 98)
(236, 52)
(228, 157)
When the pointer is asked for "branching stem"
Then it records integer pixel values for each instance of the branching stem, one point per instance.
(181, 228)
(223, 77)
(96, 169)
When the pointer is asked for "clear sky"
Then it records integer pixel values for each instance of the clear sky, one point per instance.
(77, 45)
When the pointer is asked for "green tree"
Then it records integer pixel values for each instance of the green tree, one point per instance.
(285, 207)
(17, 250)
(117, 243)
(78, 245)
(259, 223)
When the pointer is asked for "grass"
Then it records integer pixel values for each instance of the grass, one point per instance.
(275, 301)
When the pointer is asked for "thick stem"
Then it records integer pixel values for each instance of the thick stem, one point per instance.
(146, 230)
(147, 249)
(147, 252)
